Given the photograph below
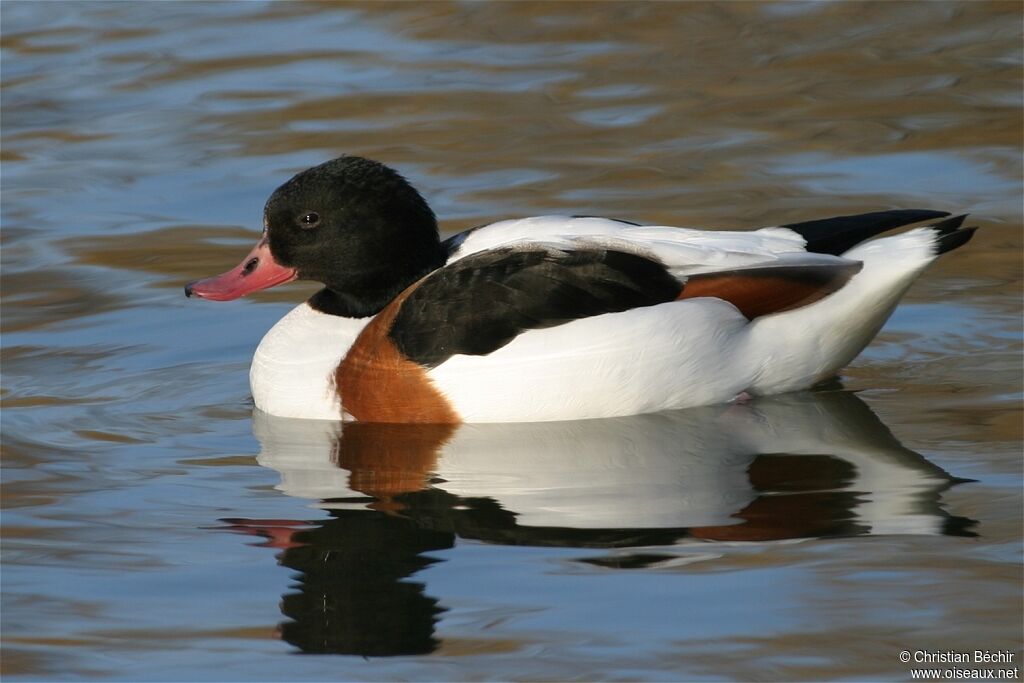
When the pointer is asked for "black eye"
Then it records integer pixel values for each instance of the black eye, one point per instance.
(309, 219)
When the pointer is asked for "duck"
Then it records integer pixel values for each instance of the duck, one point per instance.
(553, 318)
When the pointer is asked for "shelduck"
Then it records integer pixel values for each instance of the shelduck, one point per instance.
(555, 317)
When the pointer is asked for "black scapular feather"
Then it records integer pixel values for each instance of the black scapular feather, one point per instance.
(482, 302)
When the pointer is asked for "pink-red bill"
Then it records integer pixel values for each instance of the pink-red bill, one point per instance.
(258, 270)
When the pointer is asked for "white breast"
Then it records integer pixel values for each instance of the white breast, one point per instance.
(292, 373)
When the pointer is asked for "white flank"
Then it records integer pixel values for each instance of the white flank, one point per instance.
(799, 348)
(672, 355)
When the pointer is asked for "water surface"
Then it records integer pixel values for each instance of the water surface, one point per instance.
(155, 528)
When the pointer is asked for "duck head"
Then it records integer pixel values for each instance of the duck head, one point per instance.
(352, 224)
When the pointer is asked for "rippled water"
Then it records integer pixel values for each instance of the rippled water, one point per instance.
(156, 529)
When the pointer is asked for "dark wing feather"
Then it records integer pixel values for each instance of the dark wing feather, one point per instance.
(483, 301)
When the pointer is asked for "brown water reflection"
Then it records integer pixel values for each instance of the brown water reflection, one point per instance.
(139, 141)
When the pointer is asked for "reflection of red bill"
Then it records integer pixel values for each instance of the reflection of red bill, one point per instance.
(278, 532)
(257, 271)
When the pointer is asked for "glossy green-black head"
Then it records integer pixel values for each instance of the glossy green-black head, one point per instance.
(351, 223)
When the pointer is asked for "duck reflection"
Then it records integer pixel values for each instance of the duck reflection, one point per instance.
(813, 464)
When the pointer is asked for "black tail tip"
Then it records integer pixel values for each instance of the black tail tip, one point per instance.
(950, 224)
(949, 241)
(841, 233)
